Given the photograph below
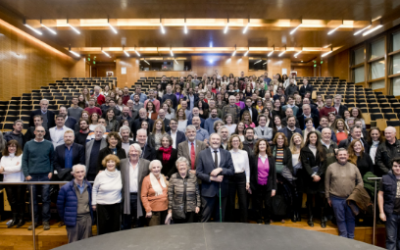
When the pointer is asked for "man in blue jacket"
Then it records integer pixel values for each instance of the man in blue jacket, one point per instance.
(73, 204)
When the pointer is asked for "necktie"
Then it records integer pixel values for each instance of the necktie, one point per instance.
(192, 155)
(262, 132)
(216, 159)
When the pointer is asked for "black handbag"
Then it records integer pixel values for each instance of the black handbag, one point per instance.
(279, 205)
(179, 211)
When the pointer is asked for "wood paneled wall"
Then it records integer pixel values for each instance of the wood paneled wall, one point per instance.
(26, 63)
(337, 65)
(303, 70)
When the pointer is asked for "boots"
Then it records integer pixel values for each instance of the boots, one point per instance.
(21, 220)
(13, 221)
(323, 218)
(310, 216)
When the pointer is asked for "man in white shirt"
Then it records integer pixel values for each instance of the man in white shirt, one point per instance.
(57, 132)
(176, 135)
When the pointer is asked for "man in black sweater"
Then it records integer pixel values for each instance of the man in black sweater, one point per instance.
(38, 121)
(80, 137)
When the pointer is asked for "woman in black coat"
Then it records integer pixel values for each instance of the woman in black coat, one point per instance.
(312, 160)
(113, 148)
(168, 156)
(263, 189)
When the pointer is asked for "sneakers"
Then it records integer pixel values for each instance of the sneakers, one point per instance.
(46, 225)
(31, 226)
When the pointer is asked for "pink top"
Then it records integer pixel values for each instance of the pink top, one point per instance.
(251, 125)
(263, 171)
(240, 104)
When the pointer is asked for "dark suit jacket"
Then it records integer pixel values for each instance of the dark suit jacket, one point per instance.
(168, 168)
(254, 117)
(107, 151)
(301, 120)
(78, 157)
(205, 165)
(180, 137)
(303, 90)
(117, 112)
(135, 124)
(149, 152)
(29, 135)
(189, 122)
(346, 144)
(70, 123)
(342, 108)
(50, 118)
(289, 133)
(166, 125)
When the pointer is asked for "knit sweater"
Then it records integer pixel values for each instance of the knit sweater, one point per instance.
(107, 188)
(38, 157)
(340, 180)
(149, 200)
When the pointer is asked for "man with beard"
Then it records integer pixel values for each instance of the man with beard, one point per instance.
(125, 131)
(37, 121)
(68, 155)
(224, 134)
(209, 123)
(126, 115)
(249, 141)
(80, 137)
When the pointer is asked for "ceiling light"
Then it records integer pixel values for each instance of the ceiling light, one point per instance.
(176, 61)
(247, 27)
(333, 31)
(211, 61)
(281, 54)
(295, 29)
(50, 30)
(137, 53)
(226, 26)
(327, 46)
(126, 53)
(265, 63)
(74, 29)
(105, 53)
(171, 53)
(270, 53)
(162, 27)
(247, 52)
(258, 62)
(361, 30)
(112, 28)
(211, 44)
(185, 29)
(234, 52)
(33, 29)
(298, 53)
(372, 30)
(74, 53)
(146, 62)
(327, 53)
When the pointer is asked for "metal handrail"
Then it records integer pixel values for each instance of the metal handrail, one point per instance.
(375, 179)
(30, 184)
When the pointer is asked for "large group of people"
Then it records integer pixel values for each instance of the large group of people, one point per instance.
(186, 150)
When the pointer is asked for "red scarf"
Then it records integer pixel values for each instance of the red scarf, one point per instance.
(166, 153)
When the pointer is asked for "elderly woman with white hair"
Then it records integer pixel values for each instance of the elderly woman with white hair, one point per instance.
(74, 205)
(183, 194)
(133, 171)
(154, 194)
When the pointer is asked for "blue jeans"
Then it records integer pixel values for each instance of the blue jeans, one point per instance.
(392, 232)
(45, 197)
(345, 219)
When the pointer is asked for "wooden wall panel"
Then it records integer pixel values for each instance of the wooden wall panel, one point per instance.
(303, 70)
(337, 65)
(27, 63)
(100, 69)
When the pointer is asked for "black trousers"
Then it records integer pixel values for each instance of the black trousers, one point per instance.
(108, 218)
(16, 198)
(127, 219)
(190, 217)
(237, 185)
(261, 199)
(320, 204)
(211, 207)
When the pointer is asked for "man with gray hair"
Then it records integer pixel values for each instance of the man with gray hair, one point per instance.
(232, 109)
(148, 152)
(125, 132)
(304, 113)
(133, 171)
(74, 205)
(100, 99)
(387, 151)
(338, 105)
(47, 115)
(191, 147)
(201, 133)
(92, 151)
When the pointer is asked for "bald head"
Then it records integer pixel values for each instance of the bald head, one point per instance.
(390, 134)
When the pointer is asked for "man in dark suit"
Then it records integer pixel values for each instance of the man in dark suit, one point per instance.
(253, 112)
(135, 124)
(291, 128)
(148, 152)
(313, 107)
(338, 105)
(132, 204)
(126, 115)
(305, 88)
(185, 148)
(48, 116)
(111, 105)
(38, 121)
(69, 121)
(176, 135)
(212, 168)
(92, 150)
(68, 155)
(306, 113)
